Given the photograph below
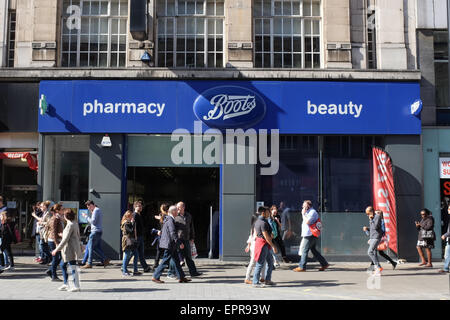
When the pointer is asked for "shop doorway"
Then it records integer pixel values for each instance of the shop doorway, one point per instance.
(197, 187)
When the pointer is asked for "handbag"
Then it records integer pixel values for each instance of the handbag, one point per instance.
(131, 243)
(383, 245)
(316, 228)
(427, 234)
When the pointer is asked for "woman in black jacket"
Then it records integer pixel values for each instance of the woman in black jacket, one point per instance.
(7, 235)
(426, 224)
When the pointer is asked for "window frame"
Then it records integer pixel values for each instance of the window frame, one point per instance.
(292, 35)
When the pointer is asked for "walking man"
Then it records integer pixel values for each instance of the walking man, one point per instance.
(375, 234)
(185, 229)
(169, 243)
(446, 237)
(140, 235)
(263, 247)
(95, 238)
(310, 218)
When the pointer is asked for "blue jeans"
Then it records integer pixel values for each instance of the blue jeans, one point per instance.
(167, 256)
(127, 255)
(310, 244)
(56, 259)
(47, 255)
(38, 243)
(447, 260)
(140, 253)
(264, 257)
(186, 254)
(94, 245)
(75, 275)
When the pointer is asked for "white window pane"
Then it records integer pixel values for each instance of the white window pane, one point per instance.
(103, 26)
(94, 26)
(169, 25)
(307, 8)
(103, 8)
(258, 26)
(210, 8)
(200, 26)
(316, 8)
(95, 10)
(86, 8)
(287, 8)
(257, 8)
(190, 8)
(123, 8)
(170, 7)
(114, 26)
(277, 25)
(190, 24)
(85, 25)
(277, 8)
(307, 27)
(211, 26)
(161, 26)
(219, 26)
(219, 9)
(123, 26)
(287, 26)
(316, 28)
(296, 8)
(266, 26)
(180, 26)
(199, 7)
(160, 8)
(297, 26)
(114, 10)
(267, 8)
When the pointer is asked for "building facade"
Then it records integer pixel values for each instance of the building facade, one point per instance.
(335, 78)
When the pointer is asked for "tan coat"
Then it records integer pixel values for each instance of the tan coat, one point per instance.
(70, 245)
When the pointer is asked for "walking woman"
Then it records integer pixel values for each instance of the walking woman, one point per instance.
(70, 247)
(7, 237)
(129, 243)
(426, 237)
(56, 227)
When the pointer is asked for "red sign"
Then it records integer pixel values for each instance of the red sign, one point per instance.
(31, 159)
(384, 194)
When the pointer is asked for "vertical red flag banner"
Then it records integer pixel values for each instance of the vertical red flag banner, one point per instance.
(384, 194)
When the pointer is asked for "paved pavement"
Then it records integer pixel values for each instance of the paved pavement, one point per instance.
(225, 281)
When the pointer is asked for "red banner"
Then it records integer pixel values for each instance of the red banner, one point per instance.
(31, 159)
(384, 194)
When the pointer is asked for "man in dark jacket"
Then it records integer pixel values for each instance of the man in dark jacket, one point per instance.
(446, 237)
(140, 234)
(185, 229)
(168, 243)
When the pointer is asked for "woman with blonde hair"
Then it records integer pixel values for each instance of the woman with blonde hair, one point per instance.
(129, 243)
(70, 247)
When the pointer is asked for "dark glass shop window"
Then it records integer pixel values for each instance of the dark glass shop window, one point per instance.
(347, 172)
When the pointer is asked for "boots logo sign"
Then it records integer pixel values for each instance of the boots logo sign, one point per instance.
(229, 107)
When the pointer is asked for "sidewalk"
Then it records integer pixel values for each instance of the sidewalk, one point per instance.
(225, 281)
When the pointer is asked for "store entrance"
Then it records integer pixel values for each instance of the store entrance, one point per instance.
(197, 187)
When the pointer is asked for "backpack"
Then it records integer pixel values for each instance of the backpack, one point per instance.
(383, 228)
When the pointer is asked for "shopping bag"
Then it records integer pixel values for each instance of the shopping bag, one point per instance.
(194, 253)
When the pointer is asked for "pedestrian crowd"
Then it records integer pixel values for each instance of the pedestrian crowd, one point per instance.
(58, 238)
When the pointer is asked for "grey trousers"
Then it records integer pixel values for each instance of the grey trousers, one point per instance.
(372, 251)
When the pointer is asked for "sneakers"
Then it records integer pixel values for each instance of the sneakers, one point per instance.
(86, 266)
(276, 265)
(378, 271)
(171, 276)
(127, 275)
(248, 281)
(324, 267)
(258, 285)
(74, 289)
(298, 269)
(64, 287)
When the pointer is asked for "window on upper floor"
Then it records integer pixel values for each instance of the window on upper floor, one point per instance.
(441, 77)
(11, 38)
(94, 33)
(287, 33)
(190, 33)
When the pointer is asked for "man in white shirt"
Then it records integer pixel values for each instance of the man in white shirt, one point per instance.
(310, 217)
